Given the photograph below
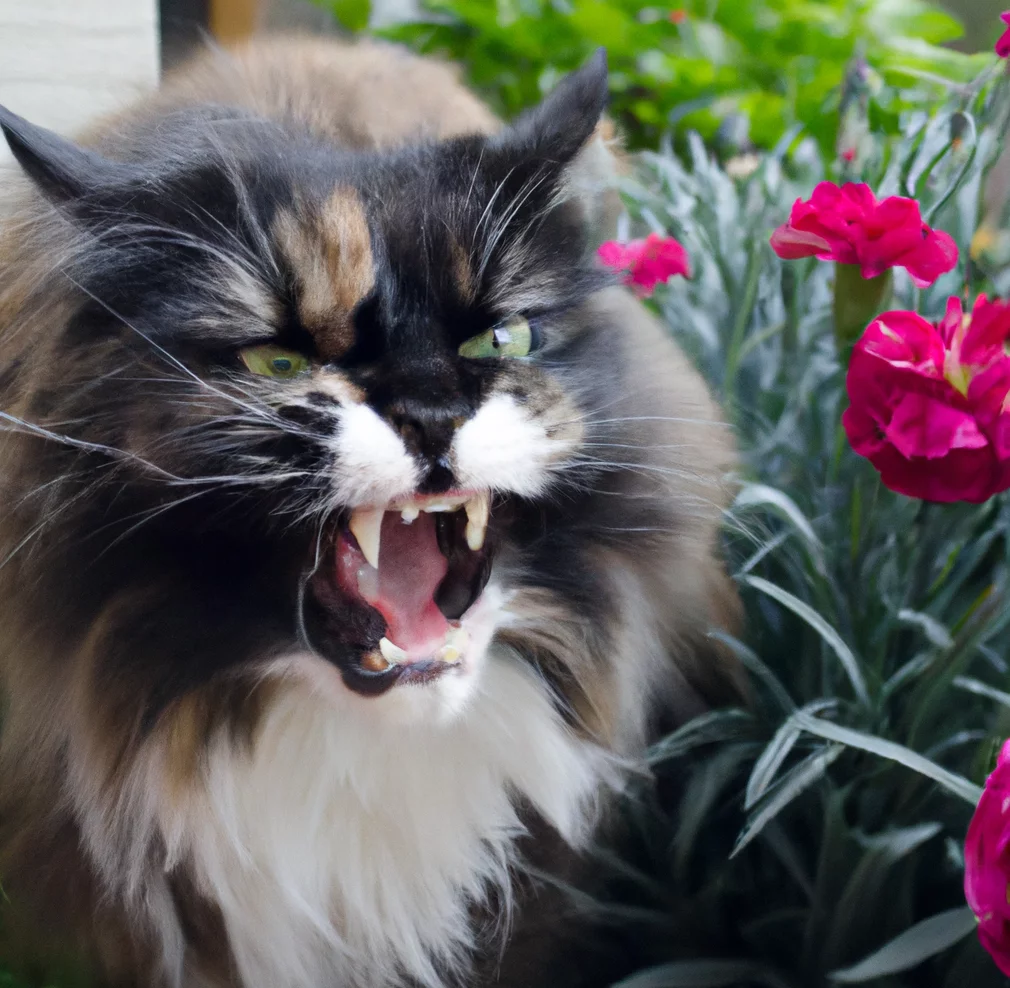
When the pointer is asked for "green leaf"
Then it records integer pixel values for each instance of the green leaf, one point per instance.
(794, 782)
(979, 688)
(911, 948)
(352, 14)
(772, 758)
(709, 728)
(951, 781)
(761, 495)
(830, 636)
(704, 974)
(934, 631)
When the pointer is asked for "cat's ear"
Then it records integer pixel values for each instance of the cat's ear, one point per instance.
(63, 171)
(561, 124)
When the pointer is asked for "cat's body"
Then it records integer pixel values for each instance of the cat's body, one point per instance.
(213, 771)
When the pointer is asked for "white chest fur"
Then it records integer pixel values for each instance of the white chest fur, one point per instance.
(345, 851)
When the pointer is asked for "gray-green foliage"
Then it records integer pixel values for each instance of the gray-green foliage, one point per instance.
(818, 836)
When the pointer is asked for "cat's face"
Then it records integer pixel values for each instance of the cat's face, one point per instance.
(324, 402)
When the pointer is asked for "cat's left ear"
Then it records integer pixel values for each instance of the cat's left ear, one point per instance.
(568, 132)
(63, 172)
(561, 124)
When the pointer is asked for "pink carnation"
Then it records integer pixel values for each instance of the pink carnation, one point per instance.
(850, 226)
(929, 403)
(1003, 45)
(987, 863)
(646, 262)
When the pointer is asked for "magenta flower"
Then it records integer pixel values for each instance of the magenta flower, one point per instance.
(1003, 45)
(929, 403)
(987, 863)
(646, 262)
(850, 226)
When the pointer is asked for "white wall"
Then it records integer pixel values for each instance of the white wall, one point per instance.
(65, 61)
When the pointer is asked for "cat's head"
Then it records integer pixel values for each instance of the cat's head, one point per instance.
(315, 402)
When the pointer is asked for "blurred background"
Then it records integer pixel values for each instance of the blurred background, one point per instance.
(64, 61)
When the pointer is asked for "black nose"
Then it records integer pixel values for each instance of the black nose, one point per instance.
(427, 427)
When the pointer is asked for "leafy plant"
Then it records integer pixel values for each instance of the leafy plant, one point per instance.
(734, 70)
(816, 837)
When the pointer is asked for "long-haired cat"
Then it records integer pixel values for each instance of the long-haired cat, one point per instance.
(355, 525)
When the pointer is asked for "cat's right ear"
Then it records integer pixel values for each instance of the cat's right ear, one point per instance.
(62, 171)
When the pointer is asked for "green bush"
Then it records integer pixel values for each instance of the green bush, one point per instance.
(759, 66)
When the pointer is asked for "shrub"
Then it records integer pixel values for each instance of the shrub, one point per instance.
(759, 66)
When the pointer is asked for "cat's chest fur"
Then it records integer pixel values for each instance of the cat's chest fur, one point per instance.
(339, 855)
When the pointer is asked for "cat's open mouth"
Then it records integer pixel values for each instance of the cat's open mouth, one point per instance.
(415, 566)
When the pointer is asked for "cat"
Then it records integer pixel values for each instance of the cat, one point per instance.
(358, 527)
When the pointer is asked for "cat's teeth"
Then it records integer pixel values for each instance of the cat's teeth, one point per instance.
(409, 514)
(393, 654)
(455, 645)
(448, 505)
(478, 510)
(366, 525)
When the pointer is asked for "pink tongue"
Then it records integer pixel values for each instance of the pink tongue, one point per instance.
(411, 567)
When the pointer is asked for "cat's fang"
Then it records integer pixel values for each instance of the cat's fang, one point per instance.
(478, 510)
(366, 526)
(393, 654)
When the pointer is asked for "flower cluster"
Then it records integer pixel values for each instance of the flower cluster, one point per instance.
(1003, 45)
(850, 226)
(646, 263)
(987, 863)
(929, 407)
(929, 402)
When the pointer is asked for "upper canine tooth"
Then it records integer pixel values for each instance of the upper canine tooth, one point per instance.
(366, 524)
(478, 509)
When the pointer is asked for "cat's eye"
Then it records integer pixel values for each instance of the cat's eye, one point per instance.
(269, 360)
(513, 338)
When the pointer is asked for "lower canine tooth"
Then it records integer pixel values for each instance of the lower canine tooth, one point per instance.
(450, 655)
(478, 509)
(390, 652)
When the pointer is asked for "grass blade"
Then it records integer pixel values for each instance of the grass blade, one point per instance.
(917, 944)
(775, 754)
(830, 636)
(798, 778)
(958, 785)
(715, 726)
(762, 495)
(979, 688)
(704, 974)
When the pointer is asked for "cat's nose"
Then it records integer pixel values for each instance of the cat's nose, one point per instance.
(427, 430)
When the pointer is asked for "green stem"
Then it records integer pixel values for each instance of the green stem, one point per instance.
(857, 301)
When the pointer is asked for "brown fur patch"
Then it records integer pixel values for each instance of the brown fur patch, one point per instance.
(364, 94)
(330, 254)
(463, 275)
(231, 705)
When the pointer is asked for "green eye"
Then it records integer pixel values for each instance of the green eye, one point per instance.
(274, 361)
(513, 338)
